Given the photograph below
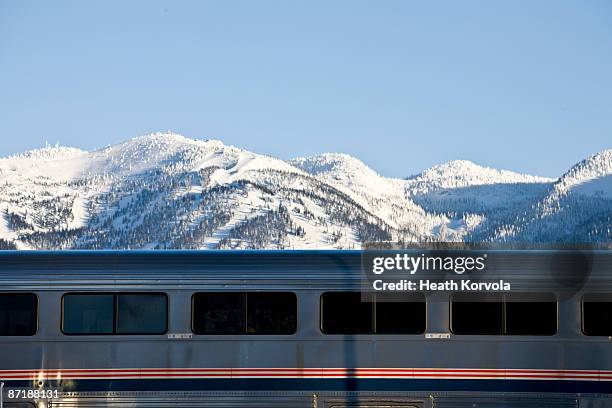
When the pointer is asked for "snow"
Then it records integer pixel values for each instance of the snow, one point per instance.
(348, 171)
(464, 173)
(593, 167)
(165, 189)
(53, 164)
(600, 187)
(381, 195)
(50, 153)
(5, 231)
(79, 212)
(247, 209)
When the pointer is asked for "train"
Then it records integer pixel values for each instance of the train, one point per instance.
(295, 328)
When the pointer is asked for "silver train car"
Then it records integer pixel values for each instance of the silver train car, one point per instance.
(291, 329)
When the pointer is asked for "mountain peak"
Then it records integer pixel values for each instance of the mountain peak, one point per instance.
(167, 139)
(464, 173)
(50, 152)
(330, 164)
(598, 164)
(460, 163)
(162, 136)
(348, 171)
(595, 166)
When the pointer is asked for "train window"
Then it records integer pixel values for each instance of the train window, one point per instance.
(476, 314)
(399, 313)
(244, 313)
(516, 314)
(597, 315)
(113, 313)
(389, 313)
(142, 313)
(18, 314)
(218, 313)
(271, 313)
(87, 313)
(531, 314)
(346, 313)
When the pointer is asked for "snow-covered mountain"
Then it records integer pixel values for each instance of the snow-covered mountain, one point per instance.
(473, 196)
(577, 205)
(167, 191)
(463, 173)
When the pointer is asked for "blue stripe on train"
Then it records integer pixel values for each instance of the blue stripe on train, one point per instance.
(311, 384)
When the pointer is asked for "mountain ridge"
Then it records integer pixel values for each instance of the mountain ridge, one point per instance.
(164, 190)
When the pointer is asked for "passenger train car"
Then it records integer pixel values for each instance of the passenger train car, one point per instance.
(292, 329)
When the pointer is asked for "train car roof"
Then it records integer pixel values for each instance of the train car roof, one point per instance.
(266, 268)
(172, 268)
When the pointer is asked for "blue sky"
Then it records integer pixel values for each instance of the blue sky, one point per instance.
(402, 85)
